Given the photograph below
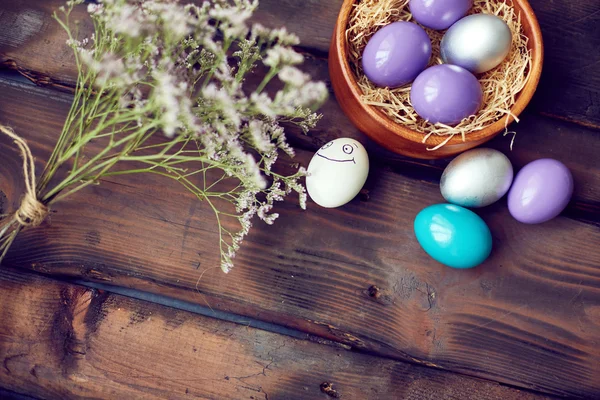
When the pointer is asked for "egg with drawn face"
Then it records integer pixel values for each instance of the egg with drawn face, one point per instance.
(337, 172)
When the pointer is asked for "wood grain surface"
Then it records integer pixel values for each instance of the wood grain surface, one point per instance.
(570, 88)
(528, 317)
(65, 341)
(44, 58)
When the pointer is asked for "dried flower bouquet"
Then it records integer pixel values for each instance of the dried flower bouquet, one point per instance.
(163, 87)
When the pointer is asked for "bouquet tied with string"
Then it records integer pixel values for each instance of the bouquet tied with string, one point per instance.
(166, 89)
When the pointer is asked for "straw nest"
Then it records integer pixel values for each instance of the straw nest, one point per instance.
(500, 85)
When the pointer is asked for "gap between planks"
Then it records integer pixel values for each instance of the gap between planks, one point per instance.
(176, 304)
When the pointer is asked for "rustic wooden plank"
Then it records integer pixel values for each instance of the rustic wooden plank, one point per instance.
(570, 85)
(534, 140)
(66, 341)
(534, 137)
(528, 317)
(33, 43)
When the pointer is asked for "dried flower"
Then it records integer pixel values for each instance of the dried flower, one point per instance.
(156, 68)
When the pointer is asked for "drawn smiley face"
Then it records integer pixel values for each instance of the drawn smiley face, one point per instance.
(337, 172)
(342, 152)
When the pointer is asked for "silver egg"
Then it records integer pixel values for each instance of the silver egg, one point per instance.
(478, 42)
(477, 178)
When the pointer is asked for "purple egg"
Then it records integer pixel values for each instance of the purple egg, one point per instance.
(541, 191)
(446, 93)
(396, 54)
(439, 14)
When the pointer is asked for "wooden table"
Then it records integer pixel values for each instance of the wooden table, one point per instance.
(104, 300)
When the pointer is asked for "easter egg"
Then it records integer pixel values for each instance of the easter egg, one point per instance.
(337, 172)
(446, 94)
(478, 43)
(477, 178)
(439, 14)
(540, 191)
(453, 235)
(396, 54)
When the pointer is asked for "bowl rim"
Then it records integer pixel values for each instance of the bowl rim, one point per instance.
(535, 45)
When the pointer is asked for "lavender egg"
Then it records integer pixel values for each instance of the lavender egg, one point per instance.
(396, 54)
(446, 93)
(540, 191)
(439, 14)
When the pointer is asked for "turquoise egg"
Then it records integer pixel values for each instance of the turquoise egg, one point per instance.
(453, 235)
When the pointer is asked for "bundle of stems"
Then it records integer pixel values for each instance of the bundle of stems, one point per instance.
(162, 89)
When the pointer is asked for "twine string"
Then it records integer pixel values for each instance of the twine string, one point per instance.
(32, 212)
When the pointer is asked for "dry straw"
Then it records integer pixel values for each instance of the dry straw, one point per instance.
(500, 85)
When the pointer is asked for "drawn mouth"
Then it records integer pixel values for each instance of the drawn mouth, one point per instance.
(334, 160)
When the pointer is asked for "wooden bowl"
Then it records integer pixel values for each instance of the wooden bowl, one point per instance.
(400, 139)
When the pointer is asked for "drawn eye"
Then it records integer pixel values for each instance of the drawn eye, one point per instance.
(328, 145)
(347, 149)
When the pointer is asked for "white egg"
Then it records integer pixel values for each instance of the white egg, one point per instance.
(337, 172)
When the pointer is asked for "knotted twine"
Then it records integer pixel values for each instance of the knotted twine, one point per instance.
(32, 212)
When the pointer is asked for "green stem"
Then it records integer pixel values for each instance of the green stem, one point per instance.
(76, 175)
(272, 72)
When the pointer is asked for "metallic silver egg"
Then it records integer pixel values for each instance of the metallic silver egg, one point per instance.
(478, 42)
(477, 178)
